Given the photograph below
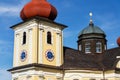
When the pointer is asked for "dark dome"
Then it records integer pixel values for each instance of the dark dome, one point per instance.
(91, 29)
(118, 41)
(38, 8)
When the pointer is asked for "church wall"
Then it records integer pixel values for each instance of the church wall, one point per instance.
(90, 75)
(30, 42)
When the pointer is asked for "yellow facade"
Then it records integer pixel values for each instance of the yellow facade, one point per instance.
(35, 37)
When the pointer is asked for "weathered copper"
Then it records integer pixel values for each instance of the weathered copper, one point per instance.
(38, 8)
(118, 41)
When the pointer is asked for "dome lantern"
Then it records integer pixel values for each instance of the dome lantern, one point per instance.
(91, 40)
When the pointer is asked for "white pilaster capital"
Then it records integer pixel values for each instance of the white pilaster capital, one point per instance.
(30, 29)
(42, 29)
(41, 76)
(59, 76)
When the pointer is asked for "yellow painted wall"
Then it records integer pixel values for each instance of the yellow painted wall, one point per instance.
(26, 47)
(36, 47)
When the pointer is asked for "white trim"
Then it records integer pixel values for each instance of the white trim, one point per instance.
(80, 47)
(26, 27)
(90, 74)
(58, 59)
(51, 27)
(38, 73)
(41, 46)
(118, 57)
(17, 43)
(30, 46)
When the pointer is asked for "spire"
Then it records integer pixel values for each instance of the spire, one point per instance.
(91, 21)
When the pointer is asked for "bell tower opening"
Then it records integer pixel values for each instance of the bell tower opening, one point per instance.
(24, 37)
(49, 38)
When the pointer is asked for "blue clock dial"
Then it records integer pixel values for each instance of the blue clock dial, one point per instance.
(49, 55)
(23, 55)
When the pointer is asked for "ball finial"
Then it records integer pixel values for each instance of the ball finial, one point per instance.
(90, 14)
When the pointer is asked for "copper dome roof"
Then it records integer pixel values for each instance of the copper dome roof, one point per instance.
(91, 29)
(38, 8)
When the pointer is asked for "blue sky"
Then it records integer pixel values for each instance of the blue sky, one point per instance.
(73, 13)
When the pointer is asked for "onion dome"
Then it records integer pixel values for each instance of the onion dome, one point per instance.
(38, 8)
(118, 41)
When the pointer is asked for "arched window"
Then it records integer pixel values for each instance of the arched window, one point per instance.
(24, 37)
(49, 38)
(98, 47)
(87, 47)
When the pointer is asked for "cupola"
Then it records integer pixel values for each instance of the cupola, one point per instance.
(91, 40)
(91, 28)
(38, 8)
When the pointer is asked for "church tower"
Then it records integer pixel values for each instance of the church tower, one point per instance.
(38, 45)
(91, 40)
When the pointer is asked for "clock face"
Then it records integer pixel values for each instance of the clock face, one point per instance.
(23, 55)
(49, 55)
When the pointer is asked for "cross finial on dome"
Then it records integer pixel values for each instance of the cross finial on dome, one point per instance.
(90, 16)
(91, 21)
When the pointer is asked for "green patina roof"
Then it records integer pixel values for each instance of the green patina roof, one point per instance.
(91, 29)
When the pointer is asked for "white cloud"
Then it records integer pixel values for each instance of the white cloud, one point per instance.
(11, 10)
(5, 75)
(8, 9)
(112, 44)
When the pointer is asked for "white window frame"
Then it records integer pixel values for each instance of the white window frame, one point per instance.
(87, 47)
(98, 47)
(80, 47)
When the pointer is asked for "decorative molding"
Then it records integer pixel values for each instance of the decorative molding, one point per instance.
(92, 74)
(58, 58)
(34, 72)
(41, 46)
(26, 27)
(49, 28)
(16, 47)
(59, 76)
(30, 46)
(29, 76)
(118, 57)
(15, 78)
